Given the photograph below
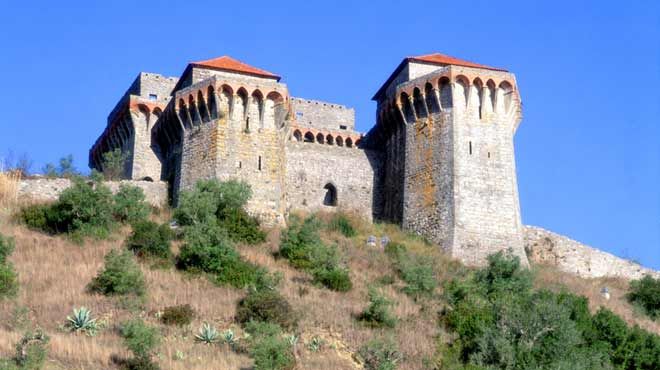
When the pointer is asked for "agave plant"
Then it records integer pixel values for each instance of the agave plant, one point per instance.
(292, 339)
(207, 334)
(82, 320)
(315, 344)
(229, 337)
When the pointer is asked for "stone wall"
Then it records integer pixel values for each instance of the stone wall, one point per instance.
(545, 247)
(48, 190)
(323, 115)
(351, 171)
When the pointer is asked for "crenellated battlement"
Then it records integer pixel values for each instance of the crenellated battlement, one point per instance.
(462, 88)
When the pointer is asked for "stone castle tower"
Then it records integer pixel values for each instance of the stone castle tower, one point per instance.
(439, 160)
(446, 127)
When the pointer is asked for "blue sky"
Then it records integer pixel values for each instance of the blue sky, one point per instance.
(588, 149)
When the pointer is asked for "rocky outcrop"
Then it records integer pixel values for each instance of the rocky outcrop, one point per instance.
(48, 190)
(546, 247)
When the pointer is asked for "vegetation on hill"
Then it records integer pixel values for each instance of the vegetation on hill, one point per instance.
(645, 293)
(87, 210)
(502, 323)
(229, 295)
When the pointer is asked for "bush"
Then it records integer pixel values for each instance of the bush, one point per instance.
(142, 340)
(501, 322)
(148, 239)
(268, 348)
(645, 293)
(209, 200)
(266, 305)
(31, 350)
(342, 224)
(130, 205)
(113, 164)
(36, 217)
(8, 277)
(416, 271)
(208, 249)
(120, 276)
(302, 246)
(241, 227)
(334, 278)
(378, 314)
(83, 210)
(380, 354)
(177, 315)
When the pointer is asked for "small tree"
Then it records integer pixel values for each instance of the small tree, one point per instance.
(378, 314)
(142, 340)
(645, 293)
(113, 164)
(120, 276)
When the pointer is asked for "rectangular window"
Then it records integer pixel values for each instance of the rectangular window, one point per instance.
(342, 127)
(259, 163)
(470, 144)
(153, 97)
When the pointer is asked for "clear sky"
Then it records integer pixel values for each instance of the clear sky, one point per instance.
(588, 148)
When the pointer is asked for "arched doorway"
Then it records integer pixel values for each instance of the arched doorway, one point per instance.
(330, 198)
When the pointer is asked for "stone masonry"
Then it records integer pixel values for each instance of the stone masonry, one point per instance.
(439, 160)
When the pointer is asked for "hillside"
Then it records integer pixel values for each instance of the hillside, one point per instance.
(54, 271)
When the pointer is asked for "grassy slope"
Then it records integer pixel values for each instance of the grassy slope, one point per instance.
(53, 273)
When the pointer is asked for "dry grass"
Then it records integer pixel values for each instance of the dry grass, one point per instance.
(54, 272)
(9, 181)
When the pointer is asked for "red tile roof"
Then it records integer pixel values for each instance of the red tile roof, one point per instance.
(443, 59)
(227, 63)
(435, 58)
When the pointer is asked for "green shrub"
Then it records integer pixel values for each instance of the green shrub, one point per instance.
(142, 340)
(120, 276)
(379, 354)
(83, 210)
(266, 305)
(645, 293)
(394, 250)
(301, 245)
(130, 205)
(113, 164)
(334, 278)
(8, 281)
(299, 241)
(148, 239)
(209, 200)
(208, 249)
(86, 210)
(501, 322)
(7, 246)
(342, 224)
(378, 314)
(416, 271)
(241, 227)
(177, 315)
(31, 350)
(35, 217)
(268, 348)
(8, 277)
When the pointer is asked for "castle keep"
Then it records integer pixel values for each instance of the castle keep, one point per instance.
(439, 160)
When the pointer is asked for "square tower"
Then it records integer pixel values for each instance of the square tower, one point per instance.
(446, 126)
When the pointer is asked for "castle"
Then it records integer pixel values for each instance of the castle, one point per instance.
(439, 160)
